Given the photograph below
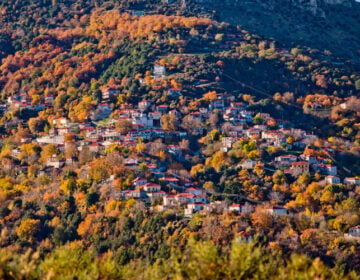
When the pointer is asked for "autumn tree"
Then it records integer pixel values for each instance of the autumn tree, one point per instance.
(20, 133)
(28, 229)
(168, 122)
(140, 147)
(81, 111)
(48, 151)
(209, 186)
(100, 171)
(29, 152)
(123, 126)
(211, 95)
(37, 125)
(217, 160)
(71, 150)
(68, 186)
(85, 155)
(190, 123)
(262, 219)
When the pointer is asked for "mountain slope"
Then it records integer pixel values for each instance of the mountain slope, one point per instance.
(322, 24)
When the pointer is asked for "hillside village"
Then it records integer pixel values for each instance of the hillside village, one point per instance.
(164, 139)
(152, 127)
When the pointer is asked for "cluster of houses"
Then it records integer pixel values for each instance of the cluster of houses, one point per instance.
(145, 122)
(295, 164)
(24, 101)
(172, 195)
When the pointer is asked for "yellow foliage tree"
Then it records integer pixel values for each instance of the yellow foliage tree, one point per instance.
(196, 169)
(48, 151)
(211, 95)
(27, 229)
(218, 160)
(140, 147)
(81, 111)
(86, 226)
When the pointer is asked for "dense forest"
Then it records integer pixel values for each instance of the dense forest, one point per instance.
(179, 140)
